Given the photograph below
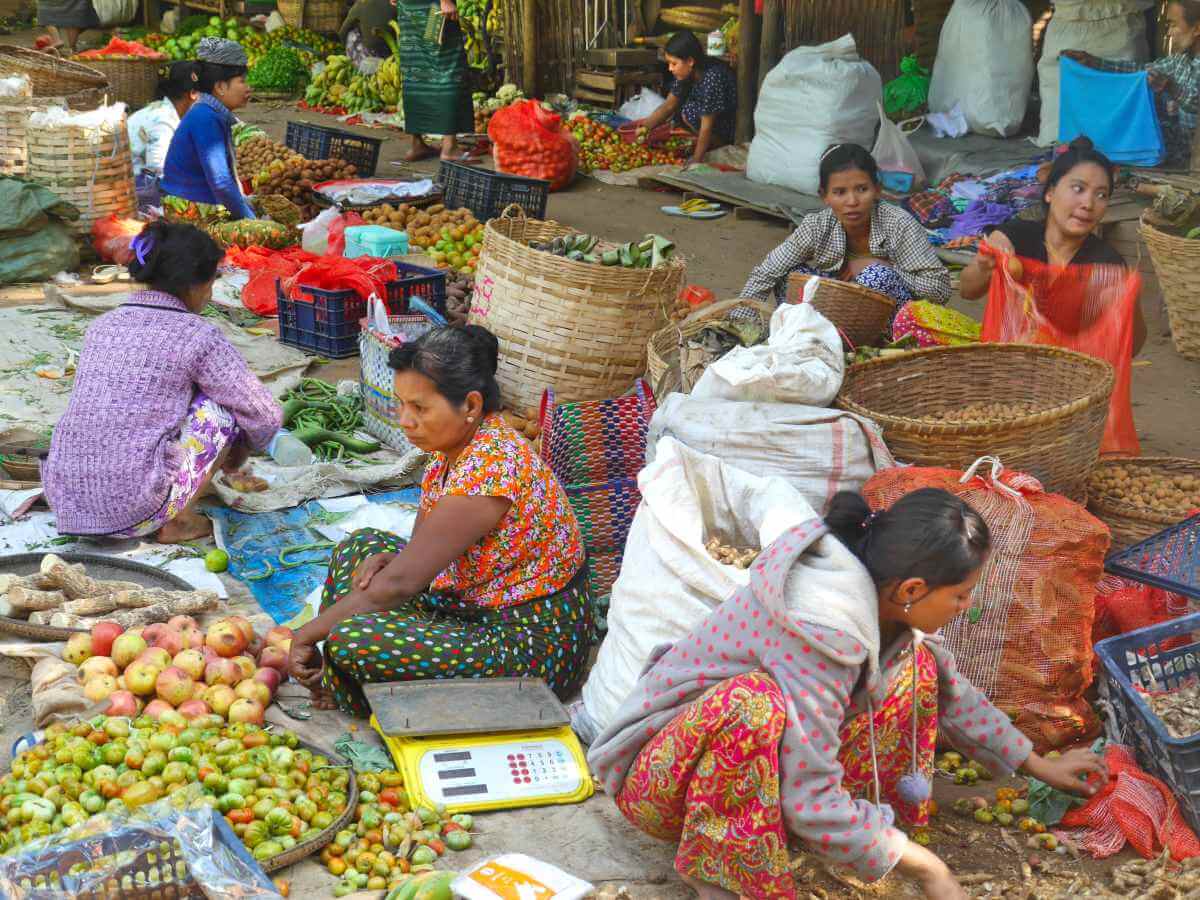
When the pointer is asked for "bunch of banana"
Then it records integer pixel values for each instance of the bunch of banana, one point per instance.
(388, 81)
(362, 96)
(699, 205)
(329, 88)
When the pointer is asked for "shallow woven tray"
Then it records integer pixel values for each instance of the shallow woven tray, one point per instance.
(309, 847)
(1058, 443)
(860, 314)
(663, 348)
(104, 568)
(1131, 524)
(52, 76)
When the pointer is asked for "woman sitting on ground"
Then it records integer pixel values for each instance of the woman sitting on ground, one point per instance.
(161, 400)
(200, 181)
(856, 238)
(1076, 196)
(809, 705)
(492, 582)
(703, 96)
(153, 126)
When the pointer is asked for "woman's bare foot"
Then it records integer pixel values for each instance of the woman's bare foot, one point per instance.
(706, 891)
(322, 699)
(189, 526)
(450, 149)
(419, 151)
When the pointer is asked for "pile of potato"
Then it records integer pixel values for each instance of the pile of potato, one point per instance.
(981, 412)
(742, 558)
(1168, 493)
(257, 154)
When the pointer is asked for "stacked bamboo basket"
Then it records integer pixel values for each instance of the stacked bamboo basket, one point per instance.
(89, 167)
(14, 118)
(315, 15)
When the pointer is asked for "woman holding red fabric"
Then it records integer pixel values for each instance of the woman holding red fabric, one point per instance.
(1084, 296)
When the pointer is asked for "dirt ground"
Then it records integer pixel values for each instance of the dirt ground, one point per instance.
(591, 840)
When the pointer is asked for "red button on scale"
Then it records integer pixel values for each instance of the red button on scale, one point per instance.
(528, 780)
(511, 757)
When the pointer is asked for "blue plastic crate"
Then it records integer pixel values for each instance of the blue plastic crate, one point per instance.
(1148, 660)
(328, 322)
(321, 142)
(1169, 560)
(487, 194)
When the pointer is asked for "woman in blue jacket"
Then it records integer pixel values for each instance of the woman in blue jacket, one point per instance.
(200, 182)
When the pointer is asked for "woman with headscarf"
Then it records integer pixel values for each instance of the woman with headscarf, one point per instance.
(433, 62)
(153, 126)
(200, 183)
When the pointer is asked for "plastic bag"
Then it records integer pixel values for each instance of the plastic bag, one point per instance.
(814, 97)
(518, 875)
(315, 234)
(115, 12)
(638, 107)
(1088, 308)
(985, 62)
(1026, 642)
(909, 91)
(900, 168)
(337, 232)
(528, 140)
(113, 846)
(38, 257)
(111, 237)
(668, 580)
(801, 362)
(57, 692)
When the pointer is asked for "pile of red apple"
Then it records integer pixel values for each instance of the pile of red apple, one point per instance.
(175, 666)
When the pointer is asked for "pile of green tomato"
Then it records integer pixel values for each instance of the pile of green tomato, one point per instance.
(274, 793)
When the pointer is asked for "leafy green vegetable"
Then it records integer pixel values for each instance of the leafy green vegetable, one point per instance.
(281, 69)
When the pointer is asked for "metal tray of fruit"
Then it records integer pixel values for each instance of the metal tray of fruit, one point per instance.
(102, 568)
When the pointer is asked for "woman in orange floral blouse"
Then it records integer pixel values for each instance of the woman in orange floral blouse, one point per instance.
(492, 582)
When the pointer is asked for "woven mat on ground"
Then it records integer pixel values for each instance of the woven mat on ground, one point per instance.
(254, 543)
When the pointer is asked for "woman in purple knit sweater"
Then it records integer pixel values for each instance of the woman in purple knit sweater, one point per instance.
(161, 400)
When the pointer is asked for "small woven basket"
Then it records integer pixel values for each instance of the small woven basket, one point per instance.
(579, 328)
(1129, 523)
(1177, 262)
(52, 76)
(14, 118)
(860, 314)
(132, 80)
(1058, 442)
(316, 15)
(663, 348)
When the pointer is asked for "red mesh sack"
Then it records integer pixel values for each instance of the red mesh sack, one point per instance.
(1088, 308)
(1027, 640)
(363, 275)
(111, 237)
(531, 141)
(266, 267)
(1135, 807)
(1123, 605)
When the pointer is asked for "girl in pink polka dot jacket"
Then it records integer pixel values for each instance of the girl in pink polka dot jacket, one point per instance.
(808, 704)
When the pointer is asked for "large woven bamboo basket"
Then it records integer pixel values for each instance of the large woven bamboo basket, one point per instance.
(52, 76)
(860, 314)
(1128, 517)
(93, 171)
(132, 81)
(579, 328)
(317, 15)
(663, 348)
(14, 117)
(1177, 262)
(924, 402)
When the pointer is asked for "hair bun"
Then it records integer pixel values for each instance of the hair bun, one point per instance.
(486, 344)
(1083, 142)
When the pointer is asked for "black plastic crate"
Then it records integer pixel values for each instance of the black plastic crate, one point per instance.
(1159, 658)
(319, 142)
(487, 194)
(1169, 560)
(329, 322)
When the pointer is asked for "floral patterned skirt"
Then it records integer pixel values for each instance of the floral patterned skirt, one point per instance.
(710, 779)
(207, 430)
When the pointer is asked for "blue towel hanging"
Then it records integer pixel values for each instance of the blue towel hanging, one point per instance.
(1115, 109)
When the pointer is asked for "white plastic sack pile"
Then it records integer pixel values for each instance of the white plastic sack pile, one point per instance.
(985, 64)
(814, 97)
(668, 581)
(801, 362)
(1110, 29)
(115, 12)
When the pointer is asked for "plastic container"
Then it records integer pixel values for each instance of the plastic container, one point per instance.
(328, 322)
(487, 194)
(1169, 560)
(1155, 659)
(288, 450)
(375, 240)
(319, 142)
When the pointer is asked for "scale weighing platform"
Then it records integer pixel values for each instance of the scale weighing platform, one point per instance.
(476, 744)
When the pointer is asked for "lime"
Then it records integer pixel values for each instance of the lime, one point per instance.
(216, 561)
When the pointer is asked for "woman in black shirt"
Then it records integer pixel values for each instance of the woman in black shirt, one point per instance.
(1077, 194)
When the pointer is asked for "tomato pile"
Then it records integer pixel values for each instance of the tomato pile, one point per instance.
(602, 148)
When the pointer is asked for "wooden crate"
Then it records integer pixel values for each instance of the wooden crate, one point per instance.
(621, 57)
(612, 87)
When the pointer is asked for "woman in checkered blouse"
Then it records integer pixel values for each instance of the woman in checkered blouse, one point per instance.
(856, 238)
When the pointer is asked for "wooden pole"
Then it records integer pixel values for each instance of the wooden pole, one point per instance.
(749, 33)
(772, 37)
(529, 48)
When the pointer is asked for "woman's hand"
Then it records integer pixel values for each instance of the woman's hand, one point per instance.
(304, 664)
(928, 870)
(449, 9)
(1067, 772)
(369, 568)
(237, 456)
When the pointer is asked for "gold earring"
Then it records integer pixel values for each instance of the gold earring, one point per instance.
(470, 418)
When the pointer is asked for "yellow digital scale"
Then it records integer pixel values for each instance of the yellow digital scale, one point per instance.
(476, 744)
